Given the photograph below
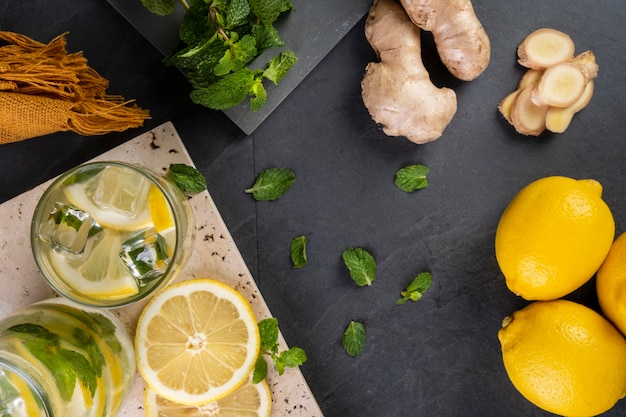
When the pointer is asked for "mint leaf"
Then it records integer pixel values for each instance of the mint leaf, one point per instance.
(237, 13)
(237, 56)
(266, 37)
(160, 7)
(361, 265)
(259, 95)
(269, 10)
(187, 178)
(260, 370)
(290, 358)
(227, 92)
(411, 178)
(271, 184)
(416, 288)
(279, 66)
(268, 329)
(354, 338)
(298, 251)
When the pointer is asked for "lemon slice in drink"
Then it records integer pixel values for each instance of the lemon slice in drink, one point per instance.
(196, 341)
(159, 209)
(124, 208)
(252, 400)
(102, 275)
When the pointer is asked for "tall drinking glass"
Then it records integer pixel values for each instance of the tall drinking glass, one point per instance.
(61, 360)
(107, 234)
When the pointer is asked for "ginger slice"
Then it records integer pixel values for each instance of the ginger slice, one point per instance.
(506, 105)
(544, 48)
(586, 62)
(560, 86)
(526, 117)
(531, 76)
(559, 118)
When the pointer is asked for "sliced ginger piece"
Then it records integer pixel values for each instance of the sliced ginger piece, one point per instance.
(558, 119)
(531, 76)
(544, 48)
(506, 105)
(526, 117)
(560, 86)
(586, 62)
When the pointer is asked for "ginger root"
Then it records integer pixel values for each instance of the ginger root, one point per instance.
(397, 91)
(462, 43)
(556, 86)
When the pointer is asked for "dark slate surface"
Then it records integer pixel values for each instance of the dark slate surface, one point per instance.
(438, 357)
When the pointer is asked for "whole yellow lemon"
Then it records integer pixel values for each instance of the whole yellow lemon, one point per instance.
(611, 284)
(553, 237)
(564, 357)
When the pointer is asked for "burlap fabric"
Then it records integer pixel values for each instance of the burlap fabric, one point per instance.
(43, 90)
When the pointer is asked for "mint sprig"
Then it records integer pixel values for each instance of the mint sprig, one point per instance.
(221, 39)
(290, 358)
(416, 289)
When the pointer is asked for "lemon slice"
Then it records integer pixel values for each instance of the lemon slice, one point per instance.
(31, 404)
(159, 209)
(102, 275)
(196, 342)
(251, 400)
(125, 201)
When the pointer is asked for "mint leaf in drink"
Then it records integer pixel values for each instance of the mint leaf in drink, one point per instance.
(354, 338)
(412, 177)
(271, 184)
(416, 288)
(361, 265)
(187, 178)
(298, 251)
(279, 66)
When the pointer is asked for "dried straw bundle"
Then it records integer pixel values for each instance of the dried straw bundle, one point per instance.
(43, 90)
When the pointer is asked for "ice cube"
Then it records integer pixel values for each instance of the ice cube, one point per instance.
(145, 254)
(121, 190)
(69, 229)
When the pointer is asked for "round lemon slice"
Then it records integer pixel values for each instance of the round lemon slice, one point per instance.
(196, 341)
(102, 275)
(253, 400)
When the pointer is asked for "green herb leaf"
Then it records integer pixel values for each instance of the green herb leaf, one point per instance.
(160, 7)
(361, 265)
(259, 95)
(412, 177)
(271, 184)
(187, 178)
(298, 251)
(260, 370)
(354, 338)
(268, 10)
(227, 92)
(237, 56)
(290, 358)
(416, 288)
(268, 329)
(279, 66)
(237, 13)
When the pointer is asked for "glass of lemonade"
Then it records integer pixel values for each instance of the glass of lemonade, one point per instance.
(61, 360)
(107, 234)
